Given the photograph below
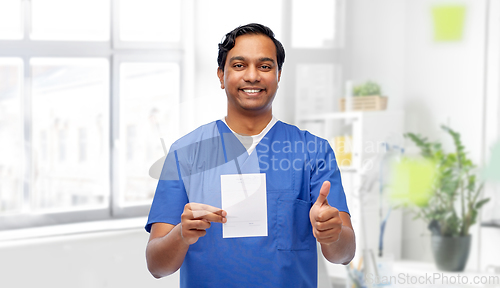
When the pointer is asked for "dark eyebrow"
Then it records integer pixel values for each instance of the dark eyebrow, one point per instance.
(241, 58)
(236, 58)
(263, 59)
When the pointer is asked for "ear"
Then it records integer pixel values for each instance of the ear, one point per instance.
(279, 75)
(220, 74)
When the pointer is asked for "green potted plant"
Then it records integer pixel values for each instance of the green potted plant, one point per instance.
(366, 89)
(366, 97)
(454, 203)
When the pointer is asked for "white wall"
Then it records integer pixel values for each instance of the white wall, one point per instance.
(444, 82)
(109, 259)
(378, 40)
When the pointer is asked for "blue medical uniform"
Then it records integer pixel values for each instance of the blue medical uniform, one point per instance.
(296, 164)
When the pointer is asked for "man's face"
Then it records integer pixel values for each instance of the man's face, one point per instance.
(250, 75)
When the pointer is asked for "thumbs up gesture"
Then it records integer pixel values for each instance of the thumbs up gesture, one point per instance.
(325, 219)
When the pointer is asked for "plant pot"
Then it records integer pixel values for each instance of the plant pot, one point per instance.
(451, 253)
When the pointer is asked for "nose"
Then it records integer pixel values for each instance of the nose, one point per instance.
(251, 74)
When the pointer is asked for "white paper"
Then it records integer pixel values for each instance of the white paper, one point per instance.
(244, 198)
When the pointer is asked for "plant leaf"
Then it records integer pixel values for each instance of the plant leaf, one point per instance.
(480, 204)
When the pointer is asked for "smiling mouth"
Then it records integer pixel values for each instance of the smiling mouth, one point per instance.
(252, 90)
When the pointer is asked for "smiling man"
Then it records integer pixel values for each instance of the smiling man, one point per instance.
(304, 198)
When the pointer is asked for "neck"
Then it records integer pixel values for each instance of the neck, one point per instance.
(248, 124)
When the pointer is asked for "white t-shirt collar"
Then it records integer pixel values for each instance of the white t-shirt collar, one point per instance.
(251, 141)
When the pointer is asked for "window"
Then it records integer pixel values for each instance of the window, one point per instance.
(144, 21)
(92, 93)
(318, 56)
(149, 105)
(11, 19)
(68, 94)
(70, 20)
(11, 143)
(318, 31)
(315, 86)
(83, 105)
(82, 145)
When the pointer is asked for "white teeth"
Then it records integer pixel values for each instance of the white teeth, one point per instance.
(251, 90)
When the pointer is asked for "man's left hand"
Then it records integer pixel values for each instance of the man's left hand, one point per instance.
(325, 219)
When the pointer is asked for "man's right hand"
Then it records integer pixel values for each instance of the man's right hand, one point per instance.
(196, 219)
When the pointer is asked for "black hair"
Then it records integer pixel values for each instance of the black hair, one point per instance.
(252, 28)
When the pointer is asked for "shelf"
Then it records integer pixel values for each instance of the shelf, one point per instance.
(328, 116)
(366, 134)
(348, 169)
(492, 223)
(341, 115)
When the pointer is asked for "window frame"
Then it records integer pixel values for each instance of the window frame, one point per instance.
(119, 44)
(116, 53)
(340, 22)
(175, 57)
(338, 54)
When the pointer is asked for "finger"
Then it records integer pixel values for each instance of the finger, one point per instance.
(326, 235)
(199, 225)
(327, 225)
(328, 213)
(323, 193)
(322, 226)
(211, 217)
(331, 232)
(195, 224)
(205, 207)
(207, 212)
(322, 235)
(212, 209)
(194, 233)
(330, 235)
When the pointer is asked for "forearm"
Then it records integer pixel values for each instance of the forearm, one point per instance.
(343, 250)
(164, 255)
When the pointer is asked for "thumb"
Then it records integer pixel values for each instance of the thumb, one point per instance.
(323, 193)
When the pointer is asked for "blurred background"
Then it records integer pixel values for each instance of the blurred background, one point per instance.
(88, 88)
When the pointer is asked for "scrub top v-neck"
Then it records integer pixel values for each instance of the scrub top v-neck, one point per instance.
(254, 138)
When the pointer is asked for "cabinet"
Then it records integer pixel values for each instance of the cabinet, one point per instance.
(370, 133)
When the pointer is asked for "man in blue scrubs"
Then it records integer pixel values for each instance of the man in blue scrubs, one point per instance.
(305, 199)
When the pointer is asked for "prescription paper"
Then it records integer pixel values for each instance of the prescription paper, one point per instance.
(244, 198)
